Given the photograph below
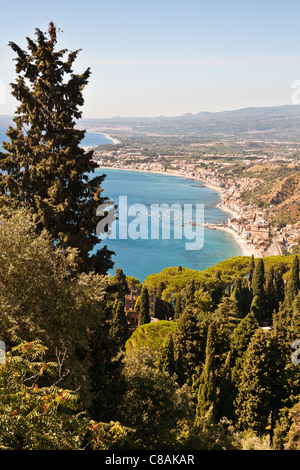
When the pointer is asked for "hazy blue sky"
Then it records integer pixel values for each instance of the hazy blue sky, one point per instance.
(169, 57)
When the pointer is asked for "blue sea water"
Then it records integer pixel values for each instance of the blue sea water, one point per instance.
(91, 139)
(139, 258)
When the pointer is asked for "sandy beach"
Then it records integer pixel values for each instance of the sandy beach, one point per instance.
(114, 141)
(247, 250)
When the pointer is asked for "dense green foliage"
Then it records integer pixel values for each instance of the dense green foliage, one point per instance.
(210, 364)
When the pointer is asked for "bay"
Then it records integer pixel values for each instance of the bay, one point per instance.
(139, 257)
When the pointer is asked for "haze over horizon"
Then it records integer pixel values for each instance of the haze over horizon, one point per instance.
(154, 58)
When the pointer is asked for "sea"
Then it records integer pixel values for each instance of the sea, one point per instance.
(140, 257)
(91, 139)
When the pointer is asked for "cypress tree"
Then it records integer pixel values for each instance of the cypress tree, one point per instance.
(279, 285)
(189, 296)
(270, 293)
(178, 307)
(293, 284)
(144, 312)
(295, 319)
(251, 269)
(257, 287)
(257, 284)
(167, 358)
(225, 401)
(257, 307)
(207, 389)
(254, 393)
(160, 307)
(119, 325)
(240, 340)
(190, 338)
(237, 294)
(179, 369)
(44, 168)
(120, 284)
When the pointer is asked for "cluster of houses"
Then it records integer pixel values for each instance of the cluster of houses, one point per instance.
(248, 221)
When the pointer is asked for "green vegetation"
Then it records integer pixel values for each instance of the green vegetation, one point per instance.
(210, 365)
(44, 169)
(149, 335)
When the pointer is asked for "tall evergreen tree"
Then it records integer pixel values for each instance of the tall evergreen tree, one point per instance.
(189, 295)
(207, 389)
(237, 295)
(44, 168)
(190, 339)
(258, 279)
(279, 285)
(225, 399)
(144, 310)
(178, 307)
(167, 357)
(160, 307)
(254, 394)
(120, 282)
(251, 269)
(270, 293)
(257, 287)
(293, 283)
(119, 324)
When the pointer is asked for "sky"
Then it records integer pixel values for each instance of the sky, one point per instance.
(166, 57)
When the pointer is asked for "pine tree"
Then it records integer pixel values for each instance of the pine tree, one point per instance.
(44, 169)
(144, 312)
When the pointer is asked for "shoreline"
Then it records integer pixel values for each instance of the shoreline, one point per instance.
(114, 141)
(246, 249)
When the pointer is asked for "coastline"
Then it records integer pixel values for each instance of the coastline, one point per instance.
(114, 141)
(246, 249)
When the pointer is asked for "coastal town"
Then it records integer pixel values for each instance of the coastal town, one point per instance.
(247, 223)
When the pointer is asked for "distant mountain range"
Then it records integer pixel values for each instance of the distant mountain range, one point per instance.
(277, 123)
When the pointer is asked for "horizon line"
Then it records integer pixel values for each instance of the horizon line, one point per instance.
(290, 105)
